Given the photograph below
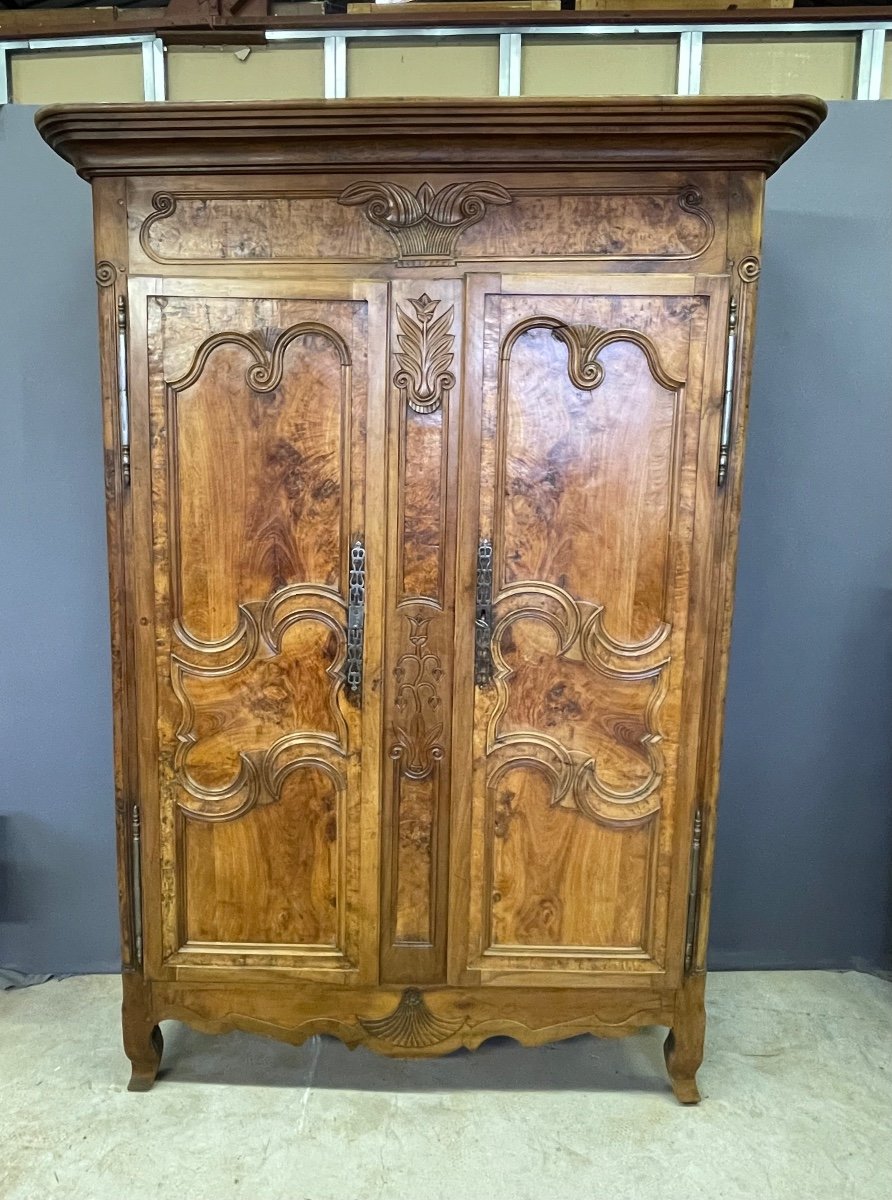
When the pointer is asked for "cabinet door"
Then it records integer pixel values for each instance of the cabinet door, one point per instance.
(590, 450)
(251, 407)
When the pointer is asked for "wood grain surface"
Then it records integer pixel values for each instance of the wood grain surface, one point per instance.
(418, 328)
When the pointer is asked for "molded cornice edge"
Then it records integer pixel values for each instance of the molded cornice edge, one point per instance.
(743, 133)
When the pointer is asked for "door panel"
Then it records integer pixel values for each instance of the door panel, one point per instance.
(257, 424)
(590, 451)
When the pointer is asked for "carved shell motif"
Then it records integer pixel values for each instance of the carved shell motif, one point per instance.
(425, 225)
(411, 1024)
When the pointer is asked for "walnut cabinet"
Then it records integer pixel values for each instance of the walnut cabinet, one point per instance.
(423, 429)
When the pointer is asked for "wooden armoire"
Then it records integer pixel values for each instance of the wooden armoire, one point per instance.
(423, 431)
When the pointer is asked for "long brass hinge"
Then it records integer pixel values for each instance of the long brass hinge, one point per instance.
(136, 881)
(693, 891)
(123, 399)
(728, 402)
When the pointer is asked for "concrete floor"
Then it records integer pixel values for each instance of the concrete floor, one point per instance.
(797, 1104)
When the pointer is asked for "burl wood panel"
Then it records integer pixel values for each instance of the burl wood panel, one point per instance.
(424, 378)
(258, 426)
(428, 219)
(590, 447)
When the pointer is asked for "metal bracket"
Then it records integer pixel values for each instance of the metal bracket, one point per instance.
(123, 401)
(483, 616)
(728, 403)
(356, 619)
(136, 881)
(693, 891)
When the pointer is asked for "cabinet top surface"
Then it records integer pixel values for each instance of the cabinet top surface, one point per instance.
(662, 133)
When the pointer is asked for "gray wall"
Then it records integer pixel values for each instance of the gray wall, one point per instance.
(805, 830)
(804, 859)
(57, 895)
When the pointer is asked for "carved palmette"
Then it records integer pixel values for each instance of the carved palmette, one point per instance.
(424, 360)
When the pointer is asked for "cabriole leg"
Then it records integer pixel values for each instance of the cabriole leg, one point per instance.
(683, 1048)
(143, 1043)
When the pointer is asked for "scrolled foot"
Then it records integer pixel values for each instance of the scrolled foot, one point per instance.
(145, 1061)
(683, 1048)
(684, 1083)
(143, 1043)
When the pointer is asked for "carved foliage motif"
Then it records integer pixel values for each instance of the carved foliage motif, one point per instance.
(426, 225)
(425, 356)
(418, 728)
(412, 1024)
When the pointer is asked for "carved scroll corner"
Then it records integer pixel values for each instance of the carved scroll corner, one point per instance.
(106, 273)
(164, 205)
(690, 201)
(412, 1025)
(425, 225)
(584, 343)
(749, 268)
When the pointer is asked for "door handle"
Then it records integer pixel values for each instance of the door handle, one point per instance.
(356, 619)
(483, 616)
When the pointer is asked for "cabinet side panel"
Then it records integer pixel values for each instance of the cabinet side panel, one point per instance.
(745, 206)
(110, 240)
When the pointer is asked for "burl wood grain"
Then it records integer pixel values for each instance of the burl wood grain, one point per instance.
(590, 443)
(430, 863)
(424, 377)
(258, 409)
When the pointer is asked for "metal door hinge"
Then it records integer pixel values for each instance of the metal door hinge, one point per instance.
(356, 619)
(693, 891)
(728, 402)
(123, 401)
(483, 615)
(136, 881)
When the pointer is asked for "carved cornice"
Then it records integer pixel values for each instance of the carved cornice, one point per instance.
(425, 226)
(631, 133)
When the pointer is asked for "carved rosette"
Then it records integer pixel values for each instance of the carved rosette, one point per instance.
(411, 1025)
(425, 355)
(426, 225)
(748, 268)
(417, 730)
(106, 273)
